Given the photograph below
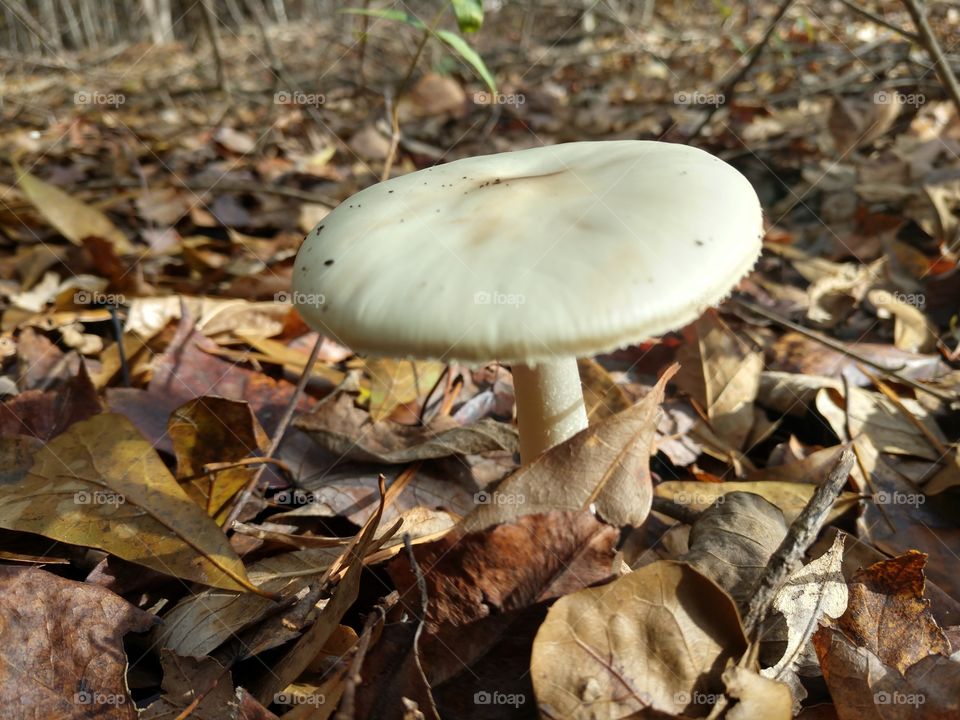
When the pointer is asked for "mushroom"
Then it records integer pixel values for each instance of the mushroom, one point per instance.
(533, 258)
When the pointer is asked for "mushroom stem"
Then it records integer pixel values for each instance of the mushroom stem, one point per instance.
(549, 405)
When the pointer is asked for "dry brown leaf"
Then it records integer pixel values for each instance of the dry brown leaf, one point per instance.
(811, 592)
(397, 382)
(470, 576)
(913, 331)
(898, 518)
(101, 484)
(879, 420)
(757, 696)
(722, 373)
(732, 541)
(886, 657)
(214, 430)
(73, 219)
(657, 637)
(61, 651)
(199, 624)
(350, 434)
(186, 680)
(602, 396)
(888, 614)
(606, 466)
(790, 497)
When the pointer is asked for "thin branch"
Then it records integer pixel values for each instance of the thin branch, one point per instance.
(803, 531)
(278, 434)
(842, 348)
(930, 44)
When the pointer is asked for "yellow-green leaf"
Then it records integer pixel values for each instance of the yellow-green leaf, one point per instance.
(73, 219)
(101, 484)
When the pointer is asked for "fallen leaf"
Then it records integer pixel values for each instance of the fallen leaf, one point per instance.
(73, 219)
(721, 372)
(214, 430)
(62, 647)
(606, 465)
(101, 484)
(655, 638)
(602, 396)
(888, 614)
(757, 696)
(732, 541)
(790, 497)
(200, 623)
(886, 657)
(186, 680)
(811, 592)
(861, 412)
(349, 433)
(44, 414)
(472, 575)
(397, 382)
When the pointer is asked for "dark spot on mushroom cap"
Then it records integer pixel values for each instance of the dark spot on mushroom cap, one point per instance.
(389, 191)
(319, 228)
(699, 242)
(328, 263)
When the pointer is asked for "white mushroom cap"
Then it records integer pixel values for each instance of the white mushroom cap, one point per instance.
(559, 251)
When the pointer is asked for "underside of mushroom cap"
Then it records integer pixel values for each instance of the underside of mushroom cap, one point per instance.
(565, 250)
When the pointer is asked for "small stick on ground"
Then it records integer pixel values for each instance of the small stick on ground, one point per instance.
(348, 699)
(930, 44)
(842, 348)
(803, 531)
(278, 434)
(882, 22)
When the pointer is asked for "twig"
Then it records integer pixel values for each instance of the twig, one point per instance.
(421, 583)
(278, 434)
(881, 21)
(210, 25)
(930, 44)
(348, 697)
(842, 348)
(730, 87)
(888, 391)
(803, 531)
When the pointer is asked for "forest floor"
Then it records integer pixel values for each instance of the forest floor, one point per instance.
(151, 558)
